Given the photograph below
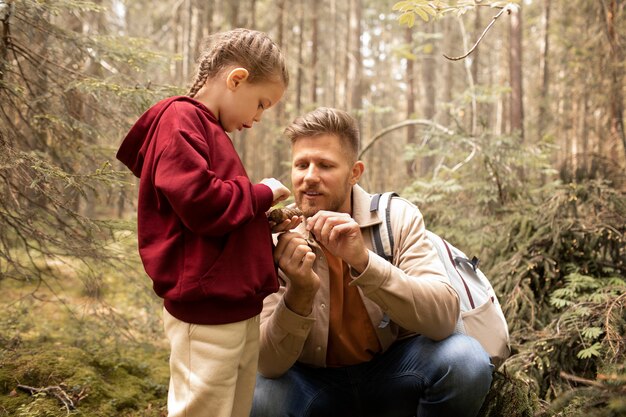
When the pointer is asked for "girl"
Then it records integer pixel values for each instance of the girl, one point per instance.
(203, 235)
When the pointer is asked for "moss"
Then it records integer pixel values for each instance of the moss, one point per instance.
(510, 397)
(100, 381)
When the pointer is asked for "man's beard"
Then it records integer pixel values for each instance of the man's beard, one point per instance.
(308, 209)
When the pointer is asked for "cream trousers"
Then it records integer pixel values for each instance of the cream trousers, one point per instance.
(212, 367)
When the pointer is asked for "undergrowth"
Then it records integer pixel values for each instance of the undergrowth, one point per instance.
(557, 260)
(68, 348)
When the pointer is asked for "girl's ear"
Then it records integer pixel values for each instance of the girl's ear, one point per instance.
(236, 77)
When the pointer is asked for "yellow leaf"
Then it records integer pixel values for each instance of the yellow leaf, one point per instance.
(407, 18)
(401, 5)
(430, 9)
(411, 20)
(420, 11)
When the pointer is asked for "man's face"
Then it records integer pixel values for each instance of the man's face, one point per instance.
(322, 174)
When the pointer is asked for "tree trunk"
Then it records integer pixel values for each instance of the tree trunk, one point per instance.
(233, 13)
(475, 57)
(616, 62)
(280, 40)
(584, 136)
(281, 153)
(253, 14)
(357, 93)
(515, 74)
(300, 74)
(346, 66)
(4, 40)
(203, 27)
(314, 49)
(410, 99)
(335, 52)
(545, 74)
(429, 82)
(448, 86)
(188, 41)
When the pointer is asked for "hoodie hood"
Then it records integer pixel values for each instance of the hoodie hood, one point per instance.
(134, 146)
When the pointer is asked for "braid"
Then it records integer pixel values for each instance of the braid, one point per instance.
(206, 68)
(247, 48)
(200, 79)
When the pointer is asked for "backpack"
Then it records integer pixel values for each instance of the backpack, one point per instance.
(481, 315)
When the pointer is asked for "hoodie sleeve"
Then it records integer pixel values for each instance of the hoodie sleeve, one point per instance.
(205, 203)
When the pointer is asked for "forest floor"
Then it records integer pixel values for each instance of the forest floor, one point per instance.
(86, 340)
(68, 347)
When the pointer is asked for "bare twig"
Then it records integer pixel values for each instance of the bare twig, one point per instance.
(580, 380)
(400, 125)
(593, 383)
(57, 392)
(508, 8)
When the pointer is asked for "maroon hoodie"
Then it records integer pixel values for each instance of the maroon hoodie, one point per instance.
(203, 235)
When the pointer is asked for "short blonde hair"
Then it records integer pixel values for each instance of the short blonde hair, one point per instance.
(327, 120)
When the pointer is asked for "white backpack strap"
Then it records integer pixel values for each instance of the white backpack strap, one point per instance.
(382, 236)
(453, 261)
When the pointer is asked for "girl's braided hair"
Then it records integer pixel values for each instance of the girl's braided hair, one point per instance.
(250, 49)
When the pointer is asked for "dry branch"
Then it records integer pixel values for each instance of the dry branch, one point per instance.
(57, 392)
(507, 9)
(400, 125)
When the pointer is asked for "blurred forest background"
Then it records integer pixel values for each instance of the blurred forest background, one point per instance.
(516, 153)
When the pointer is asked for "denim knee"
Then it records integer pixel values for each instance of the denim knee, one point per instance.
(465, 360)
(265, 398)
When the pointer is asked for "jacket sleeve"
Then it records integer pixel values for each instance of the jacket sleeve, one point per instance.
(414, 292)
(205, 203)
(283, 334)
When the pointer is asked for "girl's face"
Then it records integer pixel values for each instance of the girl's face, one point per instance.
(243, 103)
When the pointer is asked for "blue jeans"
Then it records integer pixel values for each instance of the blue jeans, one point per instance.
(415, 377)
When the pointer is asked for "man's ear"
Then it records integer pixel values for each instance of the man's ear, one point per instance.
(235, 77)
(357, 171)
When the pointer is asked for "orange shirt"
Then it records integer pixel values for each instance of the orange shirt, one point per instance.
(351, 335)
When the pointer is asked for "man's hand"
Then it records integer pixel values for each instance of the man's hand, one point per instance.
(341, 235)
(295, 258)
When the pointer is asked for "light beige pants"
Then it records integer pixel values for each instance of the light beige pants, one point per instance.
(212, 367)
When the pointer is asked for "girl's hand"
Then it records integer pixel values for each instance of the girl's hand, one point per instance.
(283, 219)
(279, 191)
(285, 225)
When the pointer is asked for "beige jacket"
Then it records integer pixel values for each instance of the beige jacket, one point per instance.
(414, 293)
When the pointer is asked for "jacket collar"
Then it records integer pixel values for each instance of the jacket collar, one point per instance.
(361, 208)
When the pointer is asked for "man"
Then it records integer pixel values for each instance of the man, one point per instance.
(350, 334)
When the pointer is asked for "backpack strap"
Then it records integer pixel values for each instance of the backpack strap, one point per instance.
(382, 235)
(454, 263)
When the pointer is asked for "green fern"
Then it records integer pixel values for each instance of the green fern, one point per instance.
(592, 351)
(592, 333)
